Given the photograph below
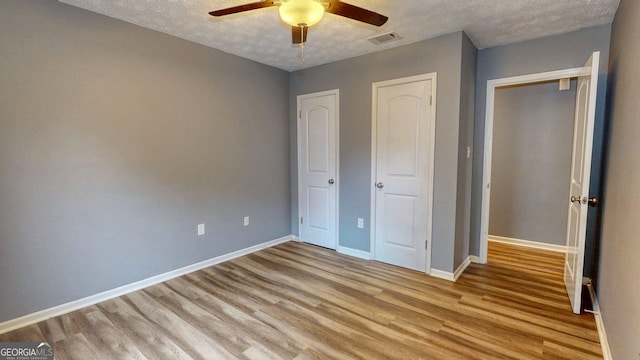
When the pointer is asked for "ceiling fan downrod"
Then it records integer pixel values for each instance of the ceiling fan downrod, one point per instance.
(302, 44)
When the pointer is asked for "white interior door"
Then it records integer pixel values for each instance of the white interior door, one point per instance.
(403, 163)
(579, 187)
(318, 168)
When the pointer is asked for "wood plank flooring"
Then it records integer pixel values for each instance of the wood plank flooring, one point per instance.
(297, 301)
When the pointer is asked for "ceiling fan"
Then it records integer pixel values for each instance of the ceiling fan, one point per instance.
(301, 14)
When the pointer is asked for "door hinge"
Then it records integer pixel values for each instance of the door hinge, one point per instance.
(300, 114)
(430, 99)
(301, 221)
(426, 244)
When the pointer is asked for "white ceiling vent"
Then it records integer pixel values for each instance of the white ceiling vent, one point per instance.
(384, 38)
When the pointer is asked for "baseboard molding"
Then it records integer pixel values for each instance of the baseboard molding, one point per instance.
(62, 309)
(354, 252)
(454, 275)
(528, 243)
(465, 264)
(602, 334)
(474, 259)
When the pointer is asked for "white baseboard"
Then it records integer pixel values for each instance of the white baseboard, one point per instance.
(474, 259)
(354, 252)
(454, 275)
(602, 334)
(62, 309)
(461, 268)
(442, 274)
(528, 243)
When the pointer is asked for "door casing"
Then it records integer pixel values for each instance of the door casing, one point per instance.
(431, 140)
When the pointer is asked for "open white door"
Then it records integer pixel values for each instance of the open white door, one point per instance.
(403, 138)
(318, 168)
(579, 187)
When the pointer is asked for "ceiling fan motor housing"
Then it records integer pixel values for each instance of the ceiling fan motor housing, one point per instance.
(301, 12)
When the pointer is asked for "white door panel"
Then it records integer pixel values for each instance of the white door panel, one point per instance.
(579, 186)
(317, 136)
(398, 216)
(402, 164)
(403, 136)
(318, 168)
(318, 207)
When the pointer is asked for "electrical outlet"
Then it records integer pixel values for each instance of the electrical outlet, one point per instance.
(200, 229)
(246, 221)
(360, 223)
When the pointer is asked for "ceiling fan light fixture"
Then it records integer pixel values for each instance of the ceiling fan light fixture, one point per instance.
(301, 12)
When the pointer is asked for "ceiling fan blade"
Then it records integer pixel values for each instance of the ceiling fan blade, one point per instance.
(299, 34)
(356, 13)
(241, 8)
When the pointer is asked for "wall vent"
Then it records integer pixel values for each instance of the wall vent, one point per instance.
(384, 38)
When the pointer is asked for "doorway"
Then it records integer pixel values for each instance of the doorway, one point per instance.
(318, 181)
(531, 161)
(403, 139)
(584, 115)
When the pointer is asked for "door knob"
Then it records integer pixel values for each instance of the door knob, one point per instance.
(575, 199)
(379, 185)
(593, 201)
(331, 181)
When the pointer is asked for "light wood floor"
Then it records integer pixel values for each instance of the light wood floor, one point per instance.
(297, 301)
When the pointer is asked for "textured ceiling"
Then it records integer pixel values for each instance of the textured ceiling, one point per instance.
(260, 35)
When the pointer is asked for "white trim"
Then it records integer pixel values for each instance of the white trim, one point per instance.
(488, 138)
(528, 243)
(602, 334)
(432, 143)
(474, 259)
(62, 309)
(354, 252)
(465, 264)
(452, 276)
(440, 274)
(336, 93)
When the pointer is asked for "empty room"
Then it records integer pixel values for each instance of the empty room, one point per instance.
(307, 179)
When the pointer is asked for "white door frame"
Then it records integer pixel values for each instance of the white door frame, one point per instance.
(299, 99)
(374, 157)
(488, 138)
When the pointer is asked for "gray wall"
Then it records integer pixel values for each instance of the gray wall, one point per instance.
(465, 139)
(532, 137)
(115, 141)
(618, 286)
(540, 55)
(354, 78)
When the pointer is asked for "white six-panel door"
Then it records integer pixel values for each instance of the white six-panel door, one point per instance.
(318, 168)
(579, 186)
(403, 126)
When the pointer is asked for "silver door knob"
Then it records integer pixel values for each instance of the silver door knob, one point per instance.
(575, 199)
(331, 181)
(379, 185)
